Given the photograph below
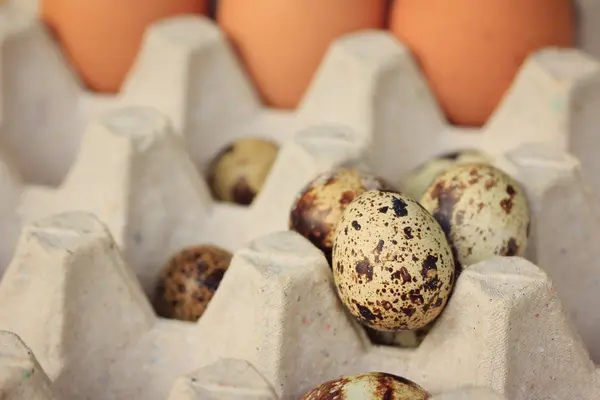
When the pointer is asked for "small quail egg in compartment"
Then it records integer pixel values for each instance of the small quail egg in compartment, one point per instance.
(189, 281)
(239, 170)
(368, 386)
(482, 210)
(418, 180)
(318, 207)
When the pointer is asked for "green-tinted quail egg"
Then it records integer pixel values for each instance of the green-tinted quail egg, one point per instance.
(239, 171)
(190, 280)
(483, 211)
(392, 265)
(368, 386)
(417, 182)
(319, 206)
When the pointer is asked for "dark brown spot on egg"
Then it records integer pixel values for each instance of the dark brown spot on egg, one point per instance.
(409, 311)
(242, 193)
(347, 198)
(189, 282)
(507, 204)
(387, 382)
(364, 269)
(356, 225)
(408, 233)
(399, 207)
(511, 249)
(429, 267)
(379, 247)
(383, 210)
(402, 274)
(365, 314)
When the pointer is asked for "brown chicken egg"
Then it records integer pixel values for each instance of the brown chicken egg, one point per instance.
(392, 264)
(318, 207)
(483, 211)
(282, 43)
(368, 386)
(190, 280)
(470, 50)
(239, 171)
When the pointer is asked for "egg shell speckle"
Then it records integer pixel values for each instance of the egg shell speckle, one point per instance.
(319, 206)
(483, 211)
(392, 265)
(239, 171)
(190, 280)
(368, 386)
(417, 182)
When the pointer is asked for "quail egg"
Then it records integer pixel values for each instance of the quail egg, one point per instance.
(483, 211)
(239, 171)
(190, 280)
(417, 182)
(318, 207)
(392, 265)
(368, 386)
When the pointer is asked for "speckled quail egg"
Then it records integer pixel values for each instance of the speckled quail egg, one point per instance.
(392, 265)
(483, 211)
(318, 207)
(239, 171)
(368, 386)
(417, 182)
(189, 281)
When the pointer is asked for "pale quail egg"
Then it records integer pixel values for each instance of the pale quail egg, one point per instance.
(483, 211)
(190, 280)
(239, 171)
(319, 206)
(417, 182)
(368, 386)
(392, 265)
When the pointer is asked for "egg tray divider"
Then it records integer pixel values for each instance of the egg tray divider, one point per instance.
(132, 167)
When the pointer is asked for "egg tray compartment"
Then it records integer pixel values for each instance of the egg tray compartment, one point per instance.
(99, 337)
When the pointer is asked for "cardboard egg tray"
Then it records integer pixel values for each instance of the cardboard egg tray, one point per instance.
(99, 191)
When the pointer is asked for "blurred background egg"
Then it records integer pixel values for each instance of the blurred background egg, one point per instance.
(282, 42)
(101, 38)
(470, 50)
(239, 171)
(418, 180)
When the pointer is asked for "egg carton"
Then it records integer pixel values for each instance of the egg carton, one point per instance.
(136, 169)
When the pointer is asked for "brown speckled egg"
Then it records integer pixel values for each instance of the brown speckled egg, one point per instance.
(368, 386)
(483, 211)
(239, 171)
(392, 265)
(417, 182)
(319, 206)
(190, 280)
